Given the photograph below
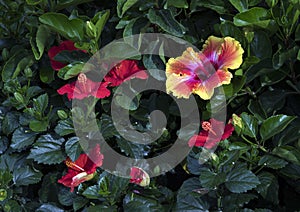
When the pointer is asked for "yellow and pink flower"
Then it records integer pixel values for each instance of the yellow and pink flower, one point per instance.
(201, 72)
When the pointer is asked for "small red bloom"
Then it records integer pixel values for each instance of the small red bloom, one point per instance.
(82, 169)
(123, 71)
(213, 131)
(66, 45)
(83, 88)
(139, 176)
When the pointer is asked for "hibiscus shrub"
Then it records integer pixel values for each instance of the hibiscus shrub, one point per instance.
(248, 162)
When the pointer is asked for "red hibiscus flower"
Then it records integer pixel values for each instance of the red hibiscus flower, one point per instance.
(66, 45)
(82, 169)
(83, 88)
(213, 131)
(139, 176)
(123, 71)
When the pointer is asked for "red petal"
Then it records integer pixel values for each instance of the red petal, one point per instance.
(123, 71)
(66, 180)
(229, 128)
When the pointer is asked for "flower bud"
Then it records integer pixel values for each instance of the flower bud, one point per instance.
(3, 194)
(139, 176)
(19, 97)
(91, 29)
(28, 72)
(62, 114)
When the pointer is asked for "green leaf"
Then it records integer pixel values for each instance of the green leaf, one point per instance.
(61, 4)
(41, 39)
(288, 153)
(154, 64)
(227, 28)
(235, 86)
(268, 188)
(274, 125)
(100, 20)
(22, 138)
(15, 64)
(92, 192)
(49, 187)
(240, 5)
(135, 26)
(250, 125)
(123, 6)
(289, 135)
(177, 3)
(257, 110)
(166, 20)
(273, 100)
(233, 202)
(49, 208)
(5, 177)
(189, 197)
(216, 5)
(297, 33)
(46, 74)
(102, 208)
(272, 162)
(70, 29)
(256, 16)
(10, 123)
(12, 205)
(47, 150)
(64, 127)
(107, 127)
(210, 179)
(117, 49)
(70, 71)
(123, 100)
(41, 103)
(240, 179)
(79, 202)
(3, 144)
(292, 171)
(33, 2)
(261, 45)
(39, 125)
(73, 148)
(283, 55)
(26, 175)
(65, 196)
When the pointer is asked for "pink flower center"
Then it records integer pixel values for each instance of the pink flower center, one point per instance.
(207, 127)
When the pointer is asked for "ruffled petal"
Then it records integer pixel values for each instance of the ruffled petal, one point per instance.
(206, 89)
(124, 71)
(186, 64)
(223, 53)
(181, 86)
(183, 74)
(212, 47)
(67, 89)
(231, 55)
(66, 180)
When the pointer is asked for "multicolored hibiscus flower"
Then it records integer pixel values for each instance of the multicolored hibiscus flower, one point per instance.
(123, 71)
(66, 45)
(83, 169)
(213, 131)
(83, 88)
(139, 176)
(201, 72)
